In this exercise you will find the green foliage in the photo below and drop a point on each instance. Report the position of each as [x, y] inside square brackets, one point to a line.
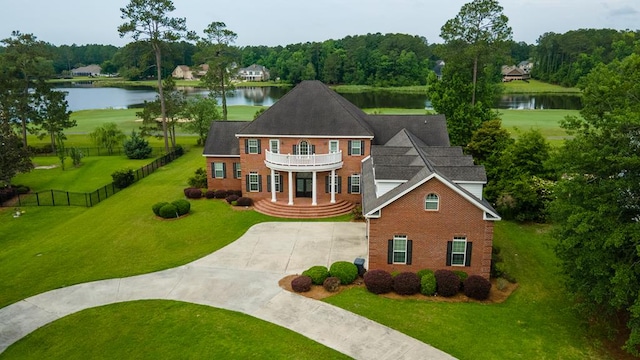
[108, 136]
[61, 152]
[136, 147]
[156, 207]
[201, 112]
[199, 180]
[461, 275]
[14, 157]
[424, 272]
[123, 178]
[428, 284]
[154, 122]
[345, 271]
[318, 274]
[597, 206]
[76, 156]
[168, 211]
[182, 205]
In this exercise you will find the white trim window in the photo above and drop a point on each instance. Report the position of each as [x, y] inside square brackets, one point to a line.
[218, 170]
[253, 146]
[354, 184]
[356, 147]
[334, 146]
[276, 180]
[274, 146]
[459, 251]
[400, 249]
[254, 182]
[238, 171]
[432, 202]
[304, 148]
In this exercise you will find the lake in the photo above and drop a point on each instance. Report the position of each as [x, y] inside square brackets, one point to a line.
[85, 97]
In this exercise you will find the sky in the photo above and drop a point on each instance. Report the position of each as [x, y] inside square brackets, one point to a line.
[283, 22]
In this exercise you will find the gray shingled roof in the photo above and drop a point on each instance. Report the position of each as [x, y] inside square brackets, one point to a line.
[311, 108]
[430, 129]
[222, 140]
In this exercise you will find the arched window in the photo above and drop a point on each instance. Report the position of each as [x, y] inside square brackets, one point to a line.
[303, 148]
[432, 202]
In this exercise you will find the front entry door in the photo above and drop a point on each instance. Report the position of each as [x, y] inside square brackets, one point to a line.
[303, 185]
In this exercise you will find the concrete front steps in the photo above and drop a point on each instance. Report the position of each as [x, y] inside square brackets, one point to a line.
[302, 209]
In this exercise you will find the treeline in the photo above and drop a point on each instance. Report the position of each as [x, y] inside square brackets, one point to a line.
[565, 58]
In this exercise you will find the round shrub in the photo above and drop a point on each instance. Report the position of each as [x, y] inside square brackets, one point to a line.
[231, 198]
[378, 281]
[477, 287]
[317, 274]
[447, 282]
[210, 194]
[406, 283]
[244, 201]
[345, 271]
[22, 189]
[236, 192]
[194, 193]
[123, 178]
[331, 284]
[301, 283]
[183, 206]
[156, 207]
[428, 284]
[424, 272]
[169, 211]
[221, 194]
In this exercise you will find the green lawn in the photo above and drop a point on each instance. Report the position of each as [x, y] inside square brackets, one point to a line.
[536, 322]
[537, 87]
[157, 329]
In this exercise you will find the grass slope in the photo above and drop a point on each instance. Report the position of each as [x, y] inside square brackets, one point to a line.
[164, 330]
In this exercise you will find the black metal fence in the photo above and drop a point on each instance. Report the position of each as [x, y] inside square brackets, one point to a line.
[67, 198]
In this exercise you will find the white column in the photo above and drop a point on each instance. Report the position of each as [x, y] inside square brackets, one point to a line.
[290, 188]
[273, 185]
[314, 196]
[333, 186]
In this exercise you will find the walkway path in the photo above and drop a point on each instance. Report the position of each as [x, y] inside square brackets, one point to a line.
[242, 277]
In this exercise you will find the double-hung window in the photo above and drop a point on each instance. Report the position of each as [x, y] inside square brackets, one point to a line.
[254, 182]
[253, 146]
[333, 146]
[400, 249]
[431, 202]
[237, 171]
[274, 146]
[354, 184]
[356, 147]
[218, 170]
[459, 251]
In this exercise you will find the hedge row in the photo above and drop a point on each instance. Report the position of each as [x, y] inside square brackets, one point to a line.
[233, 197]
[339, 273]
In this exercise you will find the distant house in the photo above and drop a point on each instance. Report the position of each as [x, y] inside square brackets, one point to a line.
[510, 73]
[526, 66]
[438, 69]
[186, 73]
[90, 70]
[254, 73]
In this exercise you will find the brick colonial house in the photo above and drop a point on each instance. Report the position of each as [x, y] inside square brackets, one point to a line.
[313, 153]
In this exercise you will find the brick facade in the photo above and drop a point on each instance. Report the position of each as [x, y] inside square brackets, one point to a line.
[431, 230]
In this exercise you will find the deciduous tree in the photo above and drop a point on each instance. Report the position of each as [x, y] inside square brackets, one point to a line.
[14, 157]
[200, 112]
[108, 136]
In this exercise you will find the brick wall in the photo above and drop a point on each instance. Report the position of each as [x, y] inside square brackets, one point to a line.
[431, 230]
[229, 182]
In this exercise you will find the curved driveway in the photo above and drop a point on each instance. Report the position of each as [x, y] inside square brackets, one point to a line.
[242, 276]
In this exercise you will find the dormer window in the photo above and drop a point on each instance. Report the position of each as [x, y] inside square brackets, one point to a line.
[432, 202]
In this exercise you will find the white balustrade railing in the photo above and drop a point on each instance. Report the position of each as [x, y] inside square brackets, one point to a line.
[303, 160]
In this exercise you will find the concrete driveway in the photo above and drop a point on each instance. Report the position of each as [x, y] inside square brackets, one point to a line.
[242, 276]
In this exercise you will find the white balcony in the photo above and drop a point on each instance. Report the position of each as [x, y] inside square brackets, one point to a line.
[299, 163]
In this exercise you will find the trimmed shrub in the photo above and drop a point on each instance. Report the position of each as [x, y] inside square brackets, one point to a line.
[183, 206]
[317, 274]
[156, 207]
[193, 193]
[236, 192]
[345, 271]
[232, 198]
[220, 194]
[428, 284]
[477, 287]
[210, 194]
[424, 272]
[123, 178]
[406, 283]
[244, 201]
[199, 179]
[331, 284]
[378, 281]
[301, 283]
[447, 283]
[168, 211]
[462, 276]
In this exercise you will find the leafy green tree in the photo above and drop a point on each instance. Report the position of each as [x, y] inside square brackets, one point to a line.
[108, 136]
[200, 112]
[61, 152]
[53, 116]
[14, 157]
[137, 147]
[597, 209]
[147, 20]
[221, 58]
[175, 101]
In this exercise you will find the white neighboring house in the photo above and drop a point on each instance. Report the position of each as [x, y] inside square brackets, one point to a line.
[254, 73]
[89, 70]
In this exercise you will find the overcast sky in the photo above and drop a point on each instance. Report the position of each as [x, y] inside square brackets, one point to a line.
[282, 22]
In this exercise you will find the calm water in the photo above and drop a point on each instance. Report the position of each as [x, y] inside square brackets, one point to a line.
[84, 97]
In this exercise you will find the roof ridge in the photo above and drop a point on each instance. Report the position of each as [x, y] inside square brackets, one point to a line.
[421, 153]
[340, 99]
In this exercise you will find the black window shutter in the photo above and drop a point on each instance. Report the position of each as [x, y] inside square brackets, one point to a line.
[313, 149]
[467, 261]
[295, 149]
[235, 170]
[349, 147]
[246, 178]
[281, 183]
[327, 184]
[268, 183]
[390, 252]
[349, 184]
[259, 147]
[246, 146]
[213, 170]
[409, 251]
[224, 170]
[259, 183]
[339, 184]
[449, 247]
[362, 147]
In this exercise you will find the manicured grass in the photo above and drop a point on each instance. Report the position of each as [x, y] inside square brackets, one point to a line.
[536, 87]
[165, 330]
[536, 322]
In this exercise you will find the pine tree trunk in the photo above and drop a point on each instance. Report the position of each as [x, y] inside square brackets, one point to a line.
[163, 111]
